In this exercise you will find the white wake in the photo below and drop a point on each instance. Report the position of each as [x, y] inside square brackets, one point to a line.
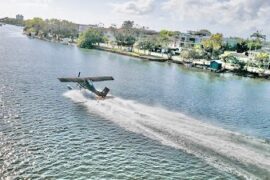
[230, 151]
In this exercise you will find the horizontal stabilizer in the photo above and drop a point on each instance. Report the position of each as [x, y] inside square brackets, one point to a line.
[83, 79]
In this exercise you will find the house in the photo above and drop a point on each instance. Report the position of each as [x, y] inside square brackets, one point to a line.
[215, 65]
[231, 42]
[188, 40]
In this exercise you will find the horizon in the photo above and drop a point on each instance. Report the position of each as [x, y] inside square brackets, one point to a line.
[231, 18]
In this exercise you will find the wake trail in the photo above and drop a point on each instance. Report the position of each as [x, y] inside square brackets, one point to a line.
[233, 152]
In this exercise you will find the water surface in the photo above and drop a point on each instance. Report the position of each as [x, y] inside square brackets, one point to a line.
[158, 125]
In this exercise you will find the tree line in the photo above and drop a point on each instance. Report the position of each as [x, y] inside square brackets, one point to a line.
[209, 48]
[130, 35]
[53, 28]
[12, 21]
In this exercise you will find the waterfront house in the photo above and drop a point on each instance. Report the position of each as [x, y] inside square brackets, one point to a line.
[215, 65]
[231, 42]
[188, 40]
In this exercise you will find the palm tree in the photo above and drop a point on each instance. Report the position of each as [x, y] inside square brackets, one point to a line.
[258, 35]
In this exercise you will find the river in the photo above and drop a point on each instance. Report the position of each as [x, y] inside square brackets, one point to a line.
[163, 121]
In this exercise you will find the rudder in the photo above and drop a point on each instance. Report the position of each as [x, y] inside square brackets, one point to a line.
[105, 92]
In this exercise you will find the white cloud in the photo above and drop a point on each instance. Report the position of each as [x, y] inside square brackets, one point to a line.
[135, 7]
[237, 15]
[32, 3]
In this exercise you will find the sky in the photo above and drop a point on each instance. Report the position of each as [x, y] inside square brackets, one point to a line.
[230, 17]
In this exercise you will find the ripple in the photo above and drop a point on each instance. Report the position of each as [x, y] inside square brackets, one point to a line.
[45, 136]
[223, 149]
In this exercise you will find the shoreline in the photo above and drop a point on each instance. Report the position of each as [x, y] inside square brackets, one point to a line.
[196, 64]
[132, 54]
[187, 64]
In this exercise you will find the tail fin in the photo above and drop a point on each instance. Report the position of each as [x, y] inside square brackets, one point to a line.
[105, 92]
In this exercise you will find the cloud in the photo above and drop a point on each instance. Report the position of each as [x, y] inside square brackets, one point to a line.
[32, 3]
[135, 7]
[239, 15]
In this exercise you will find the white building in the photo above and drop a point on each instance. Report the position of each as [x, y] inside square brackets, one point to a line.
[187, 40]
[19, 17]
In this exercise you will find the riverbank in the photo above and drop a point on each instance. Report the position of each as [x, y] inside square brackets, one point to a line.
[204, 64]
[198, 63]
[65, 41]
[132, 54]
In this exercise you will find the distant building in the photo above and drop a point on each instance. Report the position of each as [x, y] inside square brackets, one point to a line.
[231, 41]
[19, 17]
[188, 40]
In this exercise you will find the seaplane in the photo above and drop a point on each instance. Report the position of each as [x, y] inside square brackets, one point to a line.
[87, 83]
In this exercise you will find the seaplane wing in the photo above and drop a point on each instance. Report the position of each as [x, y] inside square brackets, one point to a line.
[83, 79]
[86, 83]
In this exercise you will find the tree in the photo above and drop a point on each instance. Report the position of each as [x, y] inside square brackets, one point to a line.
[213, 45]
[90, 38]
[34, 25]
[205, 32]
[229, 58]
[126, 36]
[262, 56]
[128, 24]
[202, 32]
[13, 21]
[166, 33]
[242, 46]
[128, 28]
[254, 44]
[259, 36]
[166, 36]
[148, 44]
[262, 60]
[130, 40]
[195, 53]
[62, 28]
[57, 28]
[185, 54]
[125, 39]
